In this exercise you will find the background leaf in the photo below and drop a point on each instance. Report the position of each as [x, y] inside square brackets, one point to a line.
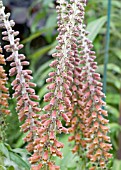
[94, 27]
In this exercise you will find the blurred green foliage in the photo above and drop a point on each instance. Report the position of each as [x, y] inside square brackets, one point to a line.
[39, 46]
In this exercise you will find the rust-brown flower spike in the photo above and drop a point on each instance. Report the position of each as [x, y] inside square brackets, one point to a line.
[27, 105]
[58, 97]
[76, 16]
[96, 121]
[4, 95]
[88, 121]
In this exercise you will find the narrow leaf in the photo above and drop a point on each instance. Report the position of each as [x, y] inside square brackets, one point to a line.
[94, 27]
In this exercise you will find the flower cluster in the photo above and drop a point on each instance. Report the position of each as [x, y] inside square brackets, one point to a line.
[88, 119]
[58, 97]
[96, 122]
[76, 112]
[4, 95]
[74, 93]
[27, 105]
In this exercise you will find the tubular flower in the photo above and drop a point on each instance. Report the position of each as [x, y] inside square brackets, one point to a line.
[4, 95]
[96, 122]
[27, 106]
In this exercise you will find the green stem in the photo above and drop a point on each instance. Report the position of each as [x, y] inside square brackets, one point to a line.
[107, 47]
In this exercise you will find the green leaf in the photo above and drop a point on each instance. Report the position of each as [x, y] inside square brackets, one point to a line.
[20, 151]
[114, 67]
[110, 66]
[4, 150]
[19, 161]
[111, 78]
[115, 127]
[37, 34]
[20, 141]
[23, 152]
[113, 111]
[116, 4]
[117, 165]
[112, 98]
[117, 52]
[43, 76]
[43, 91]
[10, 155]
[94, 27]
[41, 14]
[41, 51]
[50, 21]
[40, 70]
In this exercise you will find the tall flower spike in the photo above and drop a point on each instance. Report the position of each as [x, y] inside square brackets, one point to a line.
[88, 115]
[59, 94]
[4, 95]
[76, 15]
[27, 106]
[96, 122]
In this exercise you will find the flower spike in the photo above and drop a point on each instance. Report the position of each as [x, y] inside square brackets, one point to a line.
[27, 105]
[4, 96]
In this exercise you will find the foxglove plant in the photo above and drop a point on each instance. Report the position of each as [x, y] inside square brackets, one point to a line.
[27, 107]
[42, 140]
[77, 119]
[96, 122]
[4, 96]
[74, 93]
[87, 114]
[58, 97]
